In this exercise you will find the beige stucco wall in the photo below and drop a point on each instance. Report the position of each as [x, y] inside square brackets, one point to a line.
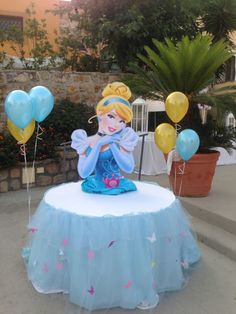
[233, 36]
[18, 8]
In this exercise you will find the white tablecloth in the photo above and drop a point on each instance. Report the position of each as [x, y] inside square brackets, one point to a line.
[154, 162]
[226, 158]
[153, 159]
[72, 196]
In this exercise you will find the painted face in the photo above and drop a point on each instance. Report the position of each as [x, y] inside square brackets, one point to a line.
[111, 123]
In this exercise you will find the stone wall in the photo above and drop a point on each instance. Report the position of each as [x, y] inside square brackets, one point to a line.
[77, 86]
[44, 173]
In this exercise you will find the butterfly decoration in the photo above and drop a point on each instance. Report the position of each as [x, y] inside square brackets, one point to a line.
[91, 290]
[185, 264]
[154, 285]
[90, 254]
[45, 268]
[152, 238]
[128, 285]
[59, 265]
[111, 243]
[183, 234]
[65, 242]
[61, 254]
[33, 230]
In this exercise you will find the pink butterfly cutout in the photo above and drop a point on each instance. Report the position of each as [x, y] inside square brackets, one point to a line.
[90, 255]
[128, 285]
[45, 268]
[59, 266]
[65, 242]
[91, 290]
[33, 230]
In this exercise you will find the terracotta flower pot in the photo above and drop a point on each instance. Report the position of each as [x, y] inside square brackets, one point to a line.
[195, 177]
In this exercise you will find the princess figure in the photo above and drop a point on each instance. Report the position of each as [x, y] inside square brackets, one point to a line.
[110, 149]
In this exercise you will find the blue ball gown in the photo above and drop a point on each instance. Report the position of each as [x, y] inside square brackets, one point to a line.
[107, 178]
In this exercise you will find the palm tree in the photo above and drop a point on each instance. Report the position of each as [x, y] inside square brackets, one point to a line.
[219, 20]
[188, 67]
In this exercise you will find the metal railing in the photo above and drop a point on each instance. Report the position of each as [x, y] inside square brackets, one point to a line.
[65, 146]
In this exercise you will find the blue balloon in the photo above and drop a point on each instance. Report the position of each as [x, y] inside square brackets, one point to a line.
[18, 108]
[43, 102]
[187, 143]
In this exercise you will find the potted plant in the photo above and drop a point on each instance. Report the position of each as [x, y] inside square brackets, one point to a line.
[189, 67]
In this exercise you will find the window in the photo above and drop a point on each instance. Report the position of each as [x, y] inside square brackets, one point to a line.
[7, 22]
[230, 120]
[230, 74]
[140, 116]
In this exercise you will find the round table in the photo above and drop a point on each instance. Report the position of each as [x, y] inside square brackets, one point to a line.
[110, 251]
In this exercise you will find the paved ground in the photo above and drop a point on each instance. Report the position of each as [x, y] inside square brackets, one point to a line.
[211, 288]
[222, 198]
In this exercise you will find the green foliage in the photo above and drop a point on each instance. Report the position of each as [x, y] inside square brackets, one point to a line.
[124, 27]
[79, 48]
[65, 118]
[57, 128]
[121, 28]
[98, 34]
[13, 36]
[9, 150]
[35, 31]
[189, 67]
[219, 18]
[214, 135]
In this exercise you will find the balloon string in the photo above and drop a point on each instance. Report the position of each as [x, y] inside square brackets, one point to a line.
[38, 134]
[177, 130]
[182, 175]
[35, 146]
[175, 155]
[22, 148]
[178, 127]
[35, 151]
[23, 152]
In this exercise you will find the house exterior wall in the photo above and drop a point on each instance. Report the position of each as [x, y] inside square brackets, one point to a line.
[19, 7]
[53, 22]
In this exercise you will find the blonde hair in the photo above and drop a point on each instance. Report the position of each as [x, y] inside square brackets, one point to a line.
[116, 96]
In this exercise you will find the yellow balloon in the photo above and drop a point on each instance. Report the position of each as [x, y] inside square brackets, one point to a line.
[176, 105]
[165, 137]
[21, 135]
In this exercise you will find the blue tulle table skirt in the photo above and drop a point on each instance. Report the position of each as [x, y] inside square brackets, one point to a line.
[103, 257]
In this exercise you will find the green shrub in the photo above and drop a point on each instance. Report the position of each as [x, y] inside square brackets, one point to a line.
[57, 128]
[9, 150]
[66, 117]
